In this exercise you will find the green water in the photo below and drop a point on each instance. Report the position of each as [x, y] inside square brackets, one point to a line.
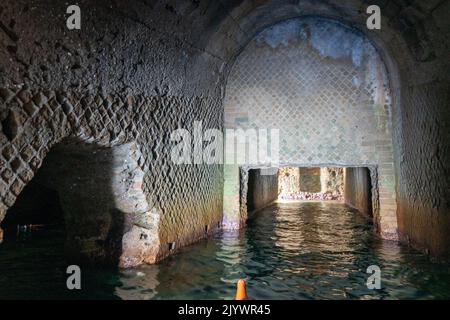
[288, 251]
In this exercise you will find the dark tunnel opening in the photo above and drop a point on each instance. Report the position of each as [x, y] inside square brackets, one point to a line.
[350, 185]
[70, 200]
[36, 207]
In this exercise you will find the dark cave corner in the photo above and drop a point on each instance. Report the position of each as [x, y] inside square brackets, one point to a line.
[92, 195]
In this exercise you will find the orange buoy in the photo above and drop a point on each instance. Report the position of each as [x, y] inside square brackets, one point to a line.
[241, 293]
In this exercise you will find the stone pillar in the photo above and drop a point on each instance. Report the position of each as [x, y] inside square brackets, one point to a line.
[262, 188]
[332, 181]
[289, 180]
[310, 180]
[358, 189]
[231, 208]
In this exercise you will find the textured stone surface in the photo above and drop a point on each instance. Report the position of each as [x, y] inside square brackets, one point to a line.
[288, 180]
[110, 121]
[310, 180]
[332, 180]
[120, 79]
[327, 181]
[100, 201]
[415, 49]
[173, 52]
[131, 46]
[326, 89]
[258, 187]
[358, 187]
[424, 159]
[262, 189]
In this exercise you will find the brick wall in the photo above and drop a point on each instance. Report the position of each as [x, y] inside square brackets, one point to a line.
[310, 180]
[413, 42]
[325, 87]
[123, 78]
[178, 53]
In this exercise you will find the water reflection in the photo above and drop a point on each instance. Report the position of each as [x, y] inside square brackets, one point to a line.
[139, 283]
[297, 250]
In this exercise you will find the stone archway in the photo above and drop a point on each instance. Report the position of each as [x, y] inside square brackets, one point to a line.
[106, 214]
[38, 119]
[327, 90]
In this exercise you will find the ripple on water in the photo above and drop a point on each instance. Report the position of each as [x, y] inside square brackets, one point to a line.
[297, 250]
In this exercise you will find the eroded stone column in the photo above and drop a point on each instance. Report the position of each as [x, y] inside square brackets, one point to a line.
[289, 180]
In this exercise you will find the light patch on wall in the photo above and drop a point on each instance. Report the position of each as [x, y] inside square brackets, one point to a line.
[336, 42]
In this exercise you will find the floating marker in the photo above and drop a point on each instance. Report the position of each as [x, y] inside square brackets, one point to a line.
[241, 293]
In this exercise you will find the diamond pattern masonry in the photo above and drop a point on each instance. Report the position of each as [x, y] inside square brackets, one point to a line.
[325, 88]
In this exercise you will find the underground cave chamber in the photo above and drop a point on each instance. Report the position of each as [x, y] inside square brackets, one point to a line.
[86, 124]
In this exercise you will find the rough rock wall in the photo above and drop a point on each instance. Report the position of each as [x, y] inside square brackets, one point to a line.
[310, 180]
[326, 89]
[424, 166]
[358, 189]
[422, 126]
[133, 73]
[288, 180]
[332, 180]
[414, 43]
[102, 204]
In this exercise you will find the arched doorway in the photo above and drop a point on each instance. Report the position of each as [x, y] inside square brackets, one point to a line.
[94, 194]
[326, 88]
